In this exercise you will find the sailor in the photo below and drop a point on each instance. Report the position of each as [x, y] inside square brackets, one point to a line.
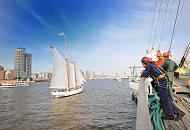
[170, 111]
[160, 59]
[169, 66]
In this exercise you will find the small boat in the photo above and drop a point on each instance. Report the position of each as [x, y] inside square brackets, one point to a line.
[22, 83]
[8, 85]
[118, 77]
[66, 80]
[125, 76]
[13, 84]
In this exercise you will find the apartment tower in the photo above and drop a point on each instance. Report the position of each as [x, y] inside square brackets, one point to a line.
[22, 64]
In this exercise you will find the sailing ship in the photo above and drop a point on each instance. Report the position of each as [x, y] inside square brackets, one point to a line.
[67, 79]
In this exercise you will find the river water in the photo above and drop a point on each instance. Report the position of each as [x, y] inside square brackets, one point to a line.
[104, 104]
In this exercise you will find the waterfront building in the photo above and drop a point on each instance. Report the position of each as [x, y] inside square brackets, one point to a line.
[1, 68]
[34, 76]
[41, 76]
[22, 64]
[88, 75]
[2, 73]
[9, 75]
[49, 76]
[96, 76]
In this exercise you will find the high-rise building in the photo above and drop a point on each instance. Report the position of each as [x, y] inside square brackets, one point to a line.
[22, 64]
[19, 59]
[2, 73]
[1, 68]
[28, 65]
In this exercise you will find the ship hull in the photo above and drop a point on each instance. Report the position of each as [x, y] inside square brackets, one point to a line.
[3, 86]
[59, 93]
[14, 84]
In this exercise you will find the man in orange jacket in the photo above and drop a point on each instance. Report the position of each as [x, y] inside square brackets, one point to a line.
[160, 59]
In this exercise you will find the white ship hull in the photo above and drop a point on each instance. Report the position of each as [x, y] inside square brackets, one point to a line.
[59, 93]
[14, 84]
[8, 86]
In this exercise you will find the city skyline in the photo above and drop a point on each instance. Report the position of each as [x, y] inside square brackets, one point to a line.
[105, 36]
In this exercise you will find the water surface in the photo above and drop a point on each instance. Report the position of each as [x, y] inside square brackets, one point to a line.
[104, 104]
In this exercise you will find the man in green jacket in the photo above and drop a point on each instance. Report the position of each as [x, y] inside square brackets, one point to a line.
[169, 66]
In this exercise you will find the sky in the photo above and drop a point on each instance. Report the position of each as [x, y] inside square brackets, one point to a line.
[104, 35]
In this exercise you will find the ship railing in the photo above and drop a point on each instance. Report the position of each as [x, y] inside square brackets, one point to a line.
[143, 121]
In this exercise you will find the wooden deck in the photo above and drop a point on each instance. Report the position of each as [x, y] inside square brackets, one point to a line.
[180, 86]
[183, 102]
[183, 124]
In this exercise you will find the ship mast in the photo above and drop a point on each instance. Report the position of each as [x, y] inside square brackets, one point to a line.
[66, 58]
[75, 71]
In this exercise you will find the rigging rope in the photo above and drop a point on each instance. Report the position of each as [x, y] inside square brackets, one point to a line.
[152, 23]
[174, 25]
[155, 31]
[162, 31]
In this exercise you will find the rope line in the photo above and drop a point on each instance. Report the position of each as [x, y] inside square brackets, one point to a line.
[163, 25]
[174, 25]
[155, 112]
[152, 23]
[155, 31]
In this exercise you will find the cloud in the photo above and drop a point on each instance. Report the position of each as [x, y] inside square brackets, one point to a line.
[41, 20]
[117, 49]
[26, 6]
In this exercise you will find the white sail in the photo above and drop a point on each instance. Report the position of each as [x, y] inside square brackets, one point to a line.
[59, 74]
[71, 76]
[79, 77]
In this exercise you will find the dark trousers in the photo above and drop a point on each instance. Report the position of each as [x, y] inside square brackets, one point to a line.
[167, 104]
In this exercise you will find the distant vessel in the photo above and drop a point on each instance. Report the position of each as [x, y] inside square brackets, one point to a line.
[125, 76]
[13, 84]
[118, 77]
[66, 80]
[134, 77]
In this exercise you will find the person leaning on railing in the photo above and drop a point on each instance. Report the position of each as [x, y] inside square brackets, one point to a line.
[170, 111]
